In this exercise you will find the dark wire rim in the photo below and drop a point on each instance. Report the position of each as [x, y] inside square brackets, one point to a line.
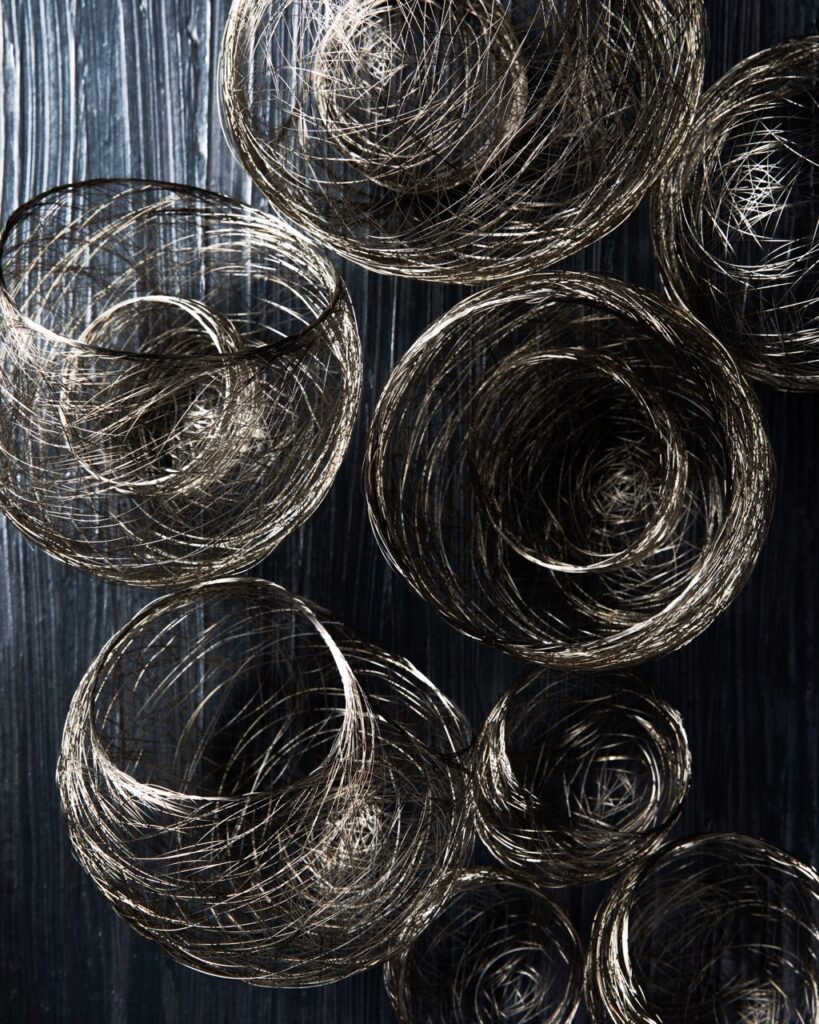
[337, 293]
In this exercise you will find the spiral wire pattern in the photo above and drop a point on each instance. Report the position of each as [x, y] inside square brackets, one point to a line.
[572, 470]
[260, 793]
[735, 217]
[718, 927]
[578, 777]
[499, 952]
[457, 141]
[180, 376]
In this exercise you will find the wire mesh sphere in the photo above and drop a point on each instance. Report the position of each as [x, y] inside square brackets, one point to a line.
[735, 217]
[180, 378]
[499, 952]
[572, 470]
[265, 797]
[459, 142]
[576, 778]
[717, 928]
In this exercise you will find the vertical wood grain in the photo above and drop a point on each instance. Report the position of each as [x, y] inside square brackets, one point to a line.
[127, 87]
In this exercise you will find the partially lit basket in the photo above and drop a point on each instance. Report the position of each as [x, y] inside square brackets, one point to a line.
[499, 952]
[577, 777]
[571, 469]
[459, 141]
[180, 377]
[735, 217]
[718, 927]
[261, 794]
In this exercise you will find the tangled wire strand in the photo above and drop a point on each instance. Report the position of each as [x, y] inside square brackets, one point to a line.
[180, 378]
[577, 777]
[457, 141]
[719, 927]
[735, 216]
[260, 793]
[572, 470]
[499, 952]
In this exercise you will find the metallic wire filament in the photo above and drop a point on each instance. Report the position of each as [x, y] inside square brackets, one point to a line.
[571, 470]
[735, 216]
[714, 928]
[258, 792]
[459, 141]
[180, 377]
[499, 952]
[577, 777]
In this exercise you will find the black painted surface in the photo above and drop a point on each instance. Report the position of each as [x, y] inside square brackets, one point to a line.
[126, 87]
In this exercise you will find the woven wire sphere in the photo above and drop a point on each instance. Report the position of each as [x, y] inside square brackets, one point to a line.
[459, 141]
[572, 470]
[577, 777]
[261, 794]
[499, 952]
[734, 219]
[718, 927]
[180, 378]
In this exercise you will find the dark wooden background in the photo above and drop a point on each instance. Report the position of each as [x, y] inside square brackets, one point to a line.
[94, 88]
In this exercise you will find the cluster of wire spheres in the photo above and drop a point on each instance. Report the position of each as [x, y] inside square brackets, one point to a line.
[180, 377]
[719, 927]
[572, 470]
[735, 217]
[459, 141]
[264, 796]
[577, 777]
[499, 952]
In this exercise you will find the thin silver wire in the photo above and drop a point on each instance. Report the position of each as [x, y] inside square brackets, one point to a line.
[459, 141]
[735, 218]
[260, 793]
[575, 778]
[180, 379]
[572, 470]
[714, 928]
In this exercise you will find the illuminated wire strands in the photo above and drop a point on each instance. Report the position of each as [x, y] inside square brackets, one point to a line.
[718, 927]
[735, 217]
[180, 378]
[258, 792]
[459, 141]
[577, 777]
[572, 470]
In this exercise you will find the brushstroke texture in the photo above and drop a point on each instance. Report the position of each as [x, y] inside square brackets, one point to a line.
[126, 87]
